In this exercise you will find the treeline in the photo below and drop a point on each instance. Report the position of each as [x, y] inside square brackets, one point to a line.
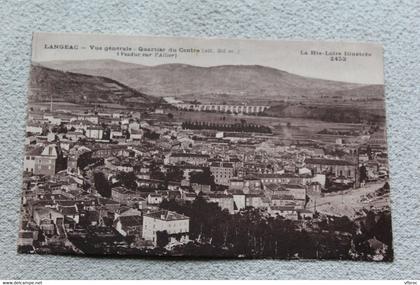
[339, 132]
[336, 114]
[251, 234]
[238, 127]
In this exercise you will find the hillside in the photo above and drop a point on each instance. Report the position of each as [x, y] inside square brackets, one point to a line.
[85, 65]
[72, 87]
[223, 83]
[341, 114]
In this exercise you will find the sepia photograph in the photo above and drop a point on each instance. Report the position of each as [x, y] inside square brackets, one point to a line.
[205, 148]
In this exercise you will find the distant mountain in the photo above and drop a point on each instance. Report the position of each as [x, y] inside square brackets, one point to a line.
[86, 65]
[73, 87]
[222, 83]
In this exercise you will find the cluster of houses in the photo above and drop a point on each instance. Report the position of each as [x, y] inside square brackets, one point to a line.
[66, 151]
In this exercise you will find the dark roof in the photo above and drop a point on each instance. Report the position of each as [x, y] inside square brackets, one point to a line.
[251, 177]
[66, 202]
[236, 192]
[273, 187]
[34, 151]
[222, 164]
[277, 175]
[166, 215]
[131, 221]
[123, 190]
[325, 161]
[92, 216]
[293, 186]
[282, 208]
[104, 201]
[68, 211]
[74, 133]
[173, 194]
[189, 155]
[219, 195]
[251, 195]
[86, 122]
[186, 166]
[283, 197]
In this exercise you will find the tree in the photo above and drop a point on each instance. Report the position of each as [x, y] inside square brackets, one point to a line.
[170, 116]
[155, 172]
[162, 238]
[61, 129]
[383, 228]
[128, 179]
[107, 133]
[369, 152]
[102, 185]
[204, 177]
[363, 174]
[151, 135]
[174, 174]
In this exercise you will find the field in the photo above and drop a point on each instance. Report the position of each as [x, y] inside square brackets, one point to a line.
[285, 128]
[289, 128]
[75, 107]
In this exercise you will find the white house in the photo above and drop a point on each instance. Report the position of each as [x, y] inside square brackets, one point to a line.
[171, 222]
[95, 132]
[239, 199]
[136, 134]
[34, 129]
[154, 199]
[52, 120]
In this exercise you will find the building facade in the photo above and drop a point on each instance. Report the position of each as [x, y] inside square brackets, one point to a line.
[171, 222]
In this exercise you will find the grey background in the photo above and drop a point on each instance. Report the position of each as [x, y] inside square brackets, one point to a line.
[396, 24]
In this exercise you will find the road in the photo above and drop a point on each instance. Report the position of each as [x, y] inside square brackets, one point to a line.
[348, 203]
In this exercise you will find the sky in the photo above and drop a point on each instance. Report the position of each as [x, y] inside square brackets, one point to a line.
[330, 60]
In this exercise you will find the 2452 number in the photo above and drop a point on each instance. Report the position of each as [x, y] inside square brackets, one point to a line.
[338, 58]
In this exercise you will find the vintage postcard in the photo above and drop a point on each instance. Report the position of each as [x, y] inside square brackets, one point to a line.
[165, 146]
